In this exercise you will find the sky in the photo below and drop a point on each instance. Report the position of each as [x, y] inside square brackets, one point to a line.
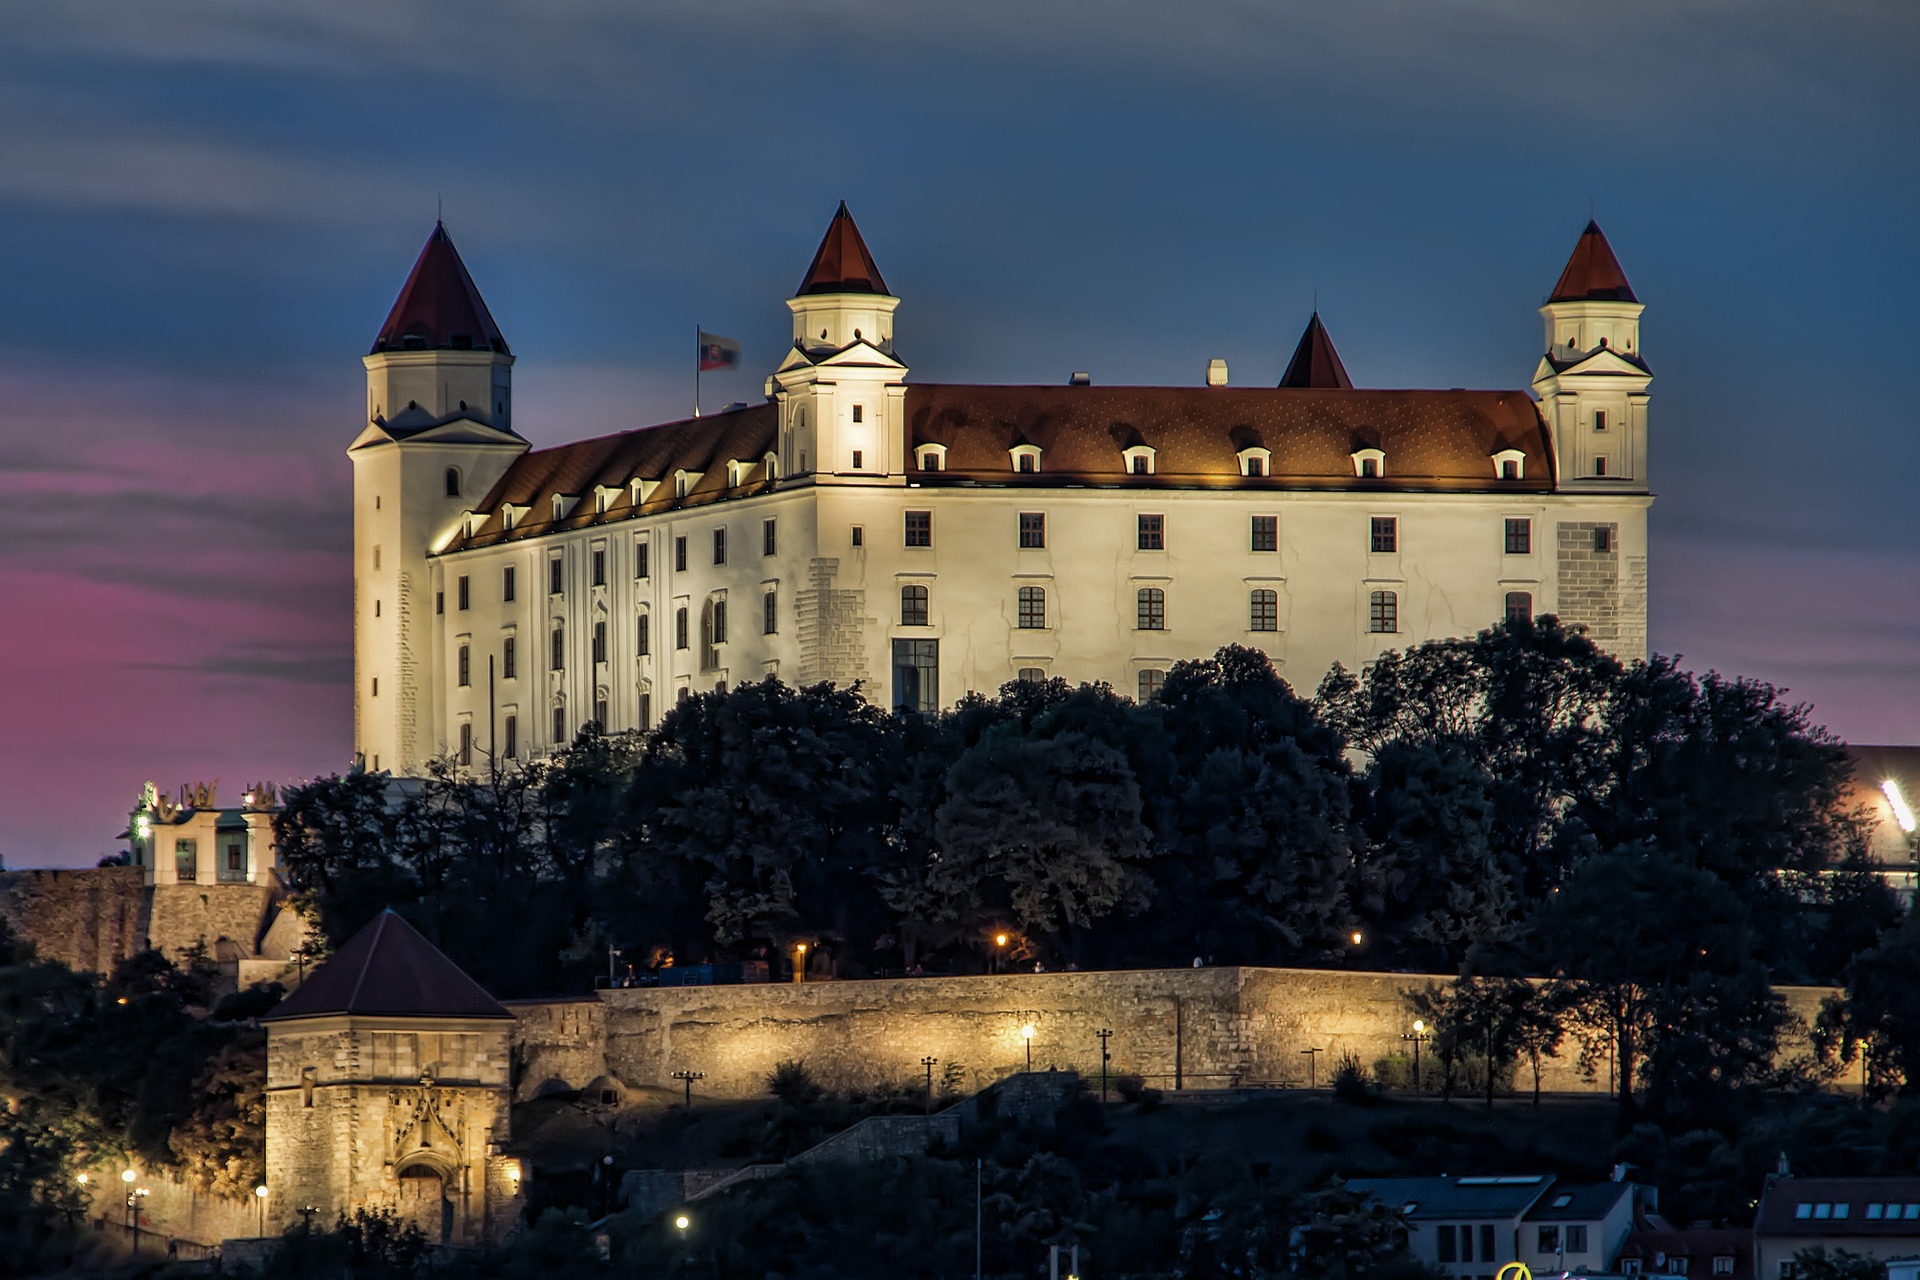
[207, 207]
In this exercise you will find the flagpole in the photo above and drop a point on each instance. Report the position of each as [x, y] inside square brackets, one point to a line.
[696, 369]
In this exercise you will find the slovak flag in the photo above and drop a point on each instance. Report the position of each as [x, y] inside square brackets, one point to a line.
[717, 352]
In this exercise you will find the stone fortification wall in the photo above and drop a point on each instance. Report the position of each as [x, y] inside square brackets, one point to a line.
[171, 1207]
[1205, 1028]
[182, 915]
[88, 919]
[557, 1044]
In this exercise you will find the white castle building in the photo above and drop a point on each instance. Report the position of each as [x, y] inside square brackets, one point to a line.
[927, 540]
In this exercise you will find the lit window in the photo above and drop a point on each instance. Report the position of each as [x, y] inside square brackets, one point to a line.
[1519, 607]
[1383, 613]
[1263, 610]
[1384, 534]
[1033, 608]
[913, 606]
[1265, 534]
[1033, 529]
[1151, 533]
[1151, 679]
[919, 528]
[1150, 609]
[1519, 536]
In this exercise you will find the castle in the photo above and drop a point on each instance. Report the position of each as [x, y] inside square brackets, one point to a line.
[928, 540]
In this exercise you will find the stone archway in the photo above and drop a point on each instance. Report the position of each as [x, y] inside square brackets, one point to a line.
[425, 1197]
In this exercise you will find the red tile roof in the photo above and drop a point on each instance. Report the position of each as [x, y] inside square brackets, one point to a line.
[842, 264]
[1656, 1250]
[1315, 363]
[439, 308]
[1778, 1214]
[1434, 441]
[1593, 274]
[388, 970]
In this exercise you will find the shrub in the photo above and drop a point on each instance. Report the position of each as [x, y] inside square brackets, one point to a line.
[1352, 1082]
[793, 1084]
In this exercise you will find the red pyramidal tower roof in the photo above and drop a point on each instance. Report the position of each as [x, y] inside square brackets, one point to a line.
[843, 264]
[1593, 274]
[438, 308]
[388, 970]
[1315, 363]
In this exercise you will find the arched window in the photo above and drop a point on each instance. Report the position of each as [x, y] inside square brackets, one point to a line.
[1383, 613]
[913, 606]
[557, 658]
[453, 482]
[1151, 609]
[1033, 608]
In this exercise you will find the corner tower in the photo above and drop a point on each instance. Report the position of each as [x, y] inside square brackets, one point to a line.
[438, 434]
[1592, 381]
[841, 389]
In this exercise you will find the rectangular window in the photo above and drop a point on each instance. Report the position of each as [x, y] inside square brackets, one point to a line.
[1263, 610]
[1577, 1237]
[463, 592]
[859, 536]
[1033, 608]
[1383, 535]
[599, 566]
[600, 641]
[512, 741]
[1603, 538]
[1519, 536]
[233, 859]
[509, 659]
[1519, 607]
[859, 412]
[919, 530]
[1549, 1240]
[1486, 1242]
[1028, 464]
[644, 635]
[646, 711]
[1150, 533]
[1150, 609]
[916, 675]
[186, 860]
[1033, 529]
[1265, 534]
[913, 606]
[769, 614]
[559, 726]
[1443, 1242]
[600, 712]
[465, 664]
[466, 744]
[556, 581]
[719, 546]
[439, 602]
[376, 686]
[1723, 1264]
[1599, 419]
[719, 621]
[1031, 675]
[376, 608]
[1509, 469]
[507, 584]
[557, 655]
[680, 555]
[1466, 1242]
[642, 562]
[1803, 1210]
[1600, 464]
[1383, 613]
[767, 541]
[680, 627]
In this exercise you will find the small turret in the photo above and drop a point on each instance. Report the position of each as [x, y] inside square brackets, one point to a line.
[1592, 381]
[1315, 363]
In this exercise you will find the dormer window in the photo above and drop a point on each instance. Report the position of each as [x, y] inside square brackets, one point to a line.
[770, 465]
[1255, 461]
[684, 482]
[1026, 458]
[453, 482]
[1139, 460]
[641, 489]
[603, 496]
[737, 472]
[931, 457]
[1369, 464]
[563, 504]
[510, 515]
[1510, 464]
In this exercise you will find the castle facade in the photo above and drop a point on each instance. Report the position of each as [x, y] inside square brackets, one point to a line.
[928, 540]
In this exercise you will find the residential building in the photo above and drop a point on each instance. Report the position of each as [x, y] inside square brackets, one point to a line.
[1698, 1253]
[1577, 1227]
[1877, 1217]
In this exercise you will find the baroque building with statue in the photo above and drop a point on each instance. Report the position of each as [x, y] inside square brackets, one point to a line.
[928, 540]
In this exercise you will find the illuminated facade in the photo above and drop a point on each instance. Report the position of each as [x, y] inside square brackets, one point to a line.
[927, 540]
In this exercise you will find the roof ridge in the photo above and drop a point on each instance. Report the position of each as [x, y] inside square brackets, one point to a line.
[366, 963]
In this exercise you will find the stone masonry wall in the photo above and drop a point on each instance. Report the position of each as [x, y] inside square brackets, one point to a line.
[1210, 1028]
[181, 915]
[1589, 580]
[88, 920]
[830, 623]
[558, 1043]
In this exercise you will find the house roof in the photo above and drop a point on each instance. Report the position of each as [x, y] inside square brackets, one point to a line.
[1425, 1199]
[1584, 1201]
[1315, 363]
[1593, 274]
[842, 263]
[439, 308]
[1434, 441]
[388, 970]
[1655, 1249]
[1779, 1211]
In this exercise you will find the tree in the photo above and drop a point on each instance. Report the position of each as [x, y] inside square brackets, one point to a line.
[1842, 1264]
[221, 1143]
[1879, 1012]
[1492, 1019]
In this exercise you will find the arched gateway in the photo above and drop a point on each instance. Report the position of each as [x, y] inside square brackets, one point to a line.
[387, 1087]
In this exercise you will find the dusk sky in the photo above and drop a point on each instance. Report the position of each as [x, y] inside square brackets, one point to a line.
[207, 207]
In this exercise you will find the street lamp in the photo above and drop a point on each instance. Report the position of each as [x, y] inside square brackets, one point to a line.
[1417, 1037]
[799, 962]
[999, 950]
[1313, 1060]
[1358, 937]
[1026, 1034]
[688, 1077]
[682, 1222]
[1105, 1057]
[260, 1195]
[928, 1063]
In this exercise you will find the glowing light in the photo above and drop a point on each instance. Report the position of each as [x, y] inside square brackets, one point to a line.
[1902, 814]
[801, 947]
[1026, 1032]
[261, 1191]
[999, 939]
[1358, 937]
[683, 1222]
[128, 1175]
[82, 1179]
[1419, 1025]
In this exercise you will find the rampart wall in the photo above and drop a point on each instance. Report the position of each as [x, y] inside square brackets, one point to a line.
[90, 919]
[1202, 1028]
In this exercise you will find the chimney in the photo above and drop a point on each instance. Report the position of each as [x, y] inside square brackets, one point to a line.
[1080, 379]
[1216, 373]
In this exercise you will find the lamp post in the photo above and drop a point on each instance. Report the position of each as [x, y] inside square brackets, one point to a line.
[260, 1197]
[1417, 1037]
[999, 950]
[687, 1078]
[683, 1225]
[1105, 1057]
[1313, 1059]
[799, 962]
[128, 1177]
[928, 1064]
[1026, 1034]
